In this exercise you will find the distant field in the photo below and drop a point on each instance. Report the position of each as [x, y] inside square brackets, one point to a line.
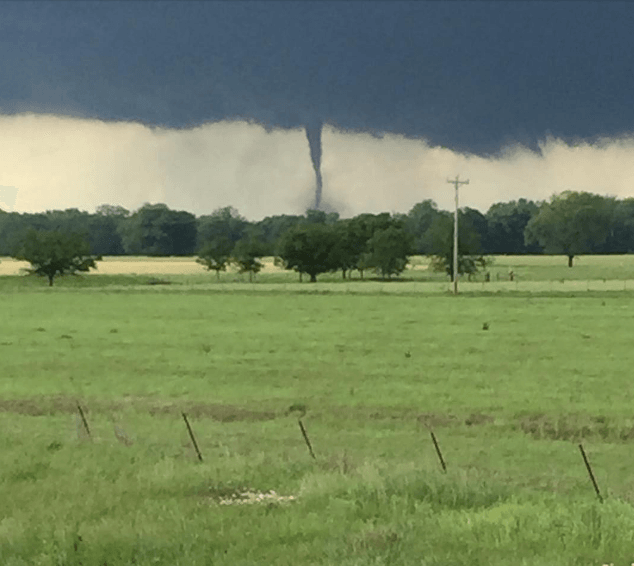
[534, 268]
[123, 266]
[531, 274]
[510, 383]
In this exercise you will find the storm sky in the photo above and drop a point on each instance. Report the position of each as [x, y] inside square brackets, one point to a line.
[207, 104]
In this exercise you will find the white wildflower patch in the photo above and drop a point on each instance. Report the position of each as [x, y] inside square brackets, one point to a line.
[252, 497]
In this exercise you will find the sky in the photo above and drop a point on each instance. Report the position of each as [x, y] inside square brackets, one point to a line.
[202, 105]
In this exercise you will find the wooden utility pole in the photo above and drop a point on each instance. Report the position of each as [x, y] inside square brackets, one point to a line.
[456, 182]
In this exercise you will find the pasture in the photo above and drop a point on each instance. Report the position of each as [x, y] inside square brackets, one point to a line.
[370, 368]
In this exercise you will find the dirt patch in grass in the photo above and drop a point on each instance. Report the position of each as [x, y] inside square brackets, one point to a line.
[574, 427]
[217, 412]
[445, 419]
[39, 406]
[438, 419]
[478, 419]
[50, 405]
[428, 419]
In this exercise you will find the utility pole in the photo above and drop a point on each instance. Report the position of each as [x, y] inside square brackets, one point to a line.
[456, 183]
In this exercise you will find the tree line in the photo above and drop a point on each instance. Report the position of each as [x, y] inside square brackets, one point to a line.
[571, 223]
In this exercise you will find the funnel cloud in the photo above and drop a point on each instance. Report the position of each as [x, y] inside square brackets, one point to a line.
[313, 133]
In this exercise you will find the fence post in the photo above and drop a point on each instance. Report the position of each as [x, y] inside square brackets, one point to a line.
[310, 448]
[594, 482]
[83, 419]
[193, 438]
[438, 452]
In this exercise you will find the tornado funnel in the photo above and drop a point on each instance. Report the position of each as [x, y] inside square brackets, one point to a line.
[313, 133]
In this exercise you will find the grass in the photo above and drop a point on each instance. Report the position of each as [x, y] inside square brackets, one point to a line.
[373, 370]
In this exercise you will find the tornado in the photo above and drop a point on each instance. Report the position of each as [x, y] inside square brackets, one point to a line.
[313, 133]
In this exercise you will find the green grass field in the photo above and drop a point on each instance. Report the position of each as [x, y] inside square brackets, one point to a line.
[370, 367]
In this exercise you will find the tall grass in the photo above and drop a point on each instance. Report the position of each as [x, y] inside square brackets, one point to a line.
[374, 371]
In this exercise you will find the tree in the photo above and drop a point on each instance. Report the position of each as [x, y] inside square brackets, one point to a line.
[101, 229]
[12, 227]
[104, 230]
[506, 225]
[215, 254]
[313, 216]
[478, 223]
[308, 249]
[343, 254]
[69, 220]
[620, 238]
[361, 229]
[572, 223]
[155, 230]
[440, 242]
[245, 256]
[55, 253]
[113, 210]
[271, 228]
[221, 223]
[389, 249]
[418, 221]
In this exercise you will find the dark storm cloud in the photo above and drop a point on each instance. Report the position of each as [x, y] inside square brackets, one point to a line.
[273, 107]
[471, 76]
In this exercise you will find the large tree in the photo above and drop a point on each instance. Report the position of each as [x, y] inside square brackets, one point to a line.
[361, 228]
[572, 223]
[313, 216]
[12, 228]
[220, 224]
[506, 224]
[101, 228]
[440, 243]
[477, 222]
[104, 232]
[53, 253]
[271, 229]
[155, 230]
[344, 254]
[218, 234]
[308, 248]
[389, 250]
[245, 256]
[418, 221]
[215, 254]
[620, 239]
